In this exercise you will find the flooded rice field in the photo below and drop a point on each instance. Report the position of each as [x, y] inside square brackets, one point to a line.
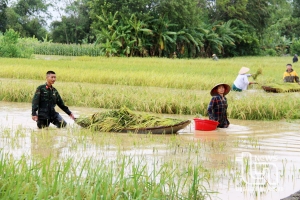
[249, 160]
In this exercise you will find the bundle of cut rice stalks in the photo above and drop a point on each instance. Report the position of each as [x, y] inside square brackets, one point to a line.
[258, 72]
[124, 118]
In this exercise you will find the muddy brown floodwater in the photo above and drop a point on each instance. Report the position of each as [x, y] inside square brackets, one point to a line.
[272, 145]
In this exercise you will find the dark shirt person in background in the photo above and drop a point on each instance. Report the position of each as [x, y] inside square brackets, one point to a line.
[295, 58]
[45, 99]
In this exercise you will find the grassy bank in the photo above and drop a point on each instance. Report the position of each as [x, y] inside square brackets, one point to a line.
[151, 84]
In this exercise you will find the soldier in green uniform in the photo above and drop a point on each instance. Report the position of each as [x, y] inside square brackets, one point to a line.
[45, 99]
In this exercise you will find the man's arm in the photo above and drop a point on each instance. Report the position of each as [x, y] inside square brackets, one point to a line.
[62, 106]
[35, 104]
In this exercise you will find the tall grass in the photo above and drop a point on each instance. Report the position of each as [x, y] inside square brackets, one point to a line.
[125, 177]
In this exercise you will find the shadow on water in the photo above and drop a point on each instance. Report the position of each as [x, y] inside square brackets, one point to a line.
[275, 144]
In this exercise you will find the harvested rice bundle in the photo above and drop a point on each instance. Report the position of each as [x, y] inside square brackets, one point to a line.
[117, 120]
[285, 87]
[258, 72]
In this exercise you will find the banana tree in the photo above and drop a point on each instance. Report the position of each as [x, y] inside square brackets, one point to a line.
[109, 36]
[163, 38]
[227, 34]
[191, 38]
[139, 32]
[212, 41]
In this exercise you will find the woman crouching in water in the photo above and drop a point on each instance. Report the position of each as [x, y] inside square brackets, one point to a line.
[217, 108]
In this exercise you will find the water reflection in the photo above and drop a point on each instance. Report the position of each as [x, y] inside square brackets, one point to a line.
[19, 136]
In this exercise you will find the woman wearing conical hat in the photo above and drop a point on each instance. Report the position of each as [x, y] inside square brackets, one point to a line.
[241, 82]
[217, 108]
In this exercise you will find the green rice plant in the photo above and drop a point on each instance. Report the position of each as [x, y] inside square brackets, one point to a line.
[253, 106]
[151, 85]
[166, 73]
[123, 178]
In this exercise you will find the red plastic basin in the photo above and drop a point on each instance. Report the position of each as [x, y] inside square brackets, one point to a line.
[205, 124]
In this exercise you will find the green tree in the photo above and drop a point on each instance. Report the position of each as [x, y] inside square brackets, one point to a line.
[109, 36]
[185, 13]
[225, 10]
[163, 39]
[142, 9]
[28, 18]
[212, 43]
[227, 34]
[74, 26]
[189, 41]
[138, 31]
[259, 15]
[11, 47]
[246, 44]
[3, 18]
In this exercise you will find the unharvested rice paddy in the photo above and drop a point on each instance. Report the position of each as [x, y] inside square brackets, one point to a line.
[172, 86]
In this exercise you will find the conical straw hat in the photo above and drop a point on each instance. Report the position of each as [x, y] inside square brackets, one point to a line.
[214, 90]
[244, 70]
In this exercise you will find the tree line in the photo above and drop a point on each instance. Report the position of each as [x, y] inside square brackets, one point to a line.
[163, 28]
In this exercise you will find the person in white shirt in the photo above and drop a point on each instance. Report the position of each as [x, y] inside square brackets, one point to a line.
[241, 82]
[214, 57]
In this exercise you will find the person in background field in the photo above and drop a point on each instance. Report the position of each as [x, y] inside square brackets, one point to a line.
[290, 75]
[45, 99]
[217, 108]
[241, 82]
[295, 58]
[214, 57]
[174, 55]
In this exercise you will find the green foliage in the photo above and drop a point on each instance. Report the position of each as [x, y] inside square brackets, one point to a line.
[73, 28]
[3, 19]
[12, 46]
[295, 47]
[226, 10]
[27, 17]
[185, 13]
[161, 27]
[246, 42]
[271, 52]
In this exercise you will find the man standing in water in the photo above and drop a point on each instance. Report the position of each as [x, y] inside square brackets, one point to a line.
[45, 99]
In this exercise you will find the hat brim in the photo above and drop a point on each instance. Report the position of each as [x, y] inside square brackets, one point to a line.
[214, 90]
[244, 70]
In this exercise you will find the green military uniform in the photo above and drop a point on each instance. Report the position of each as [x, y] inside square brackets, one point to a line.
[44, 101]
